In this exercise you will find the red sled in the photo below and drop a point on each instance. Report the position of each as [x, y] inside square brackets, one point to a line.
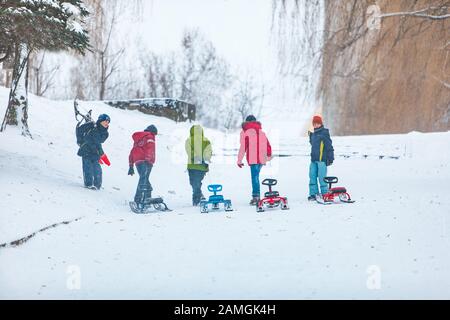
[272, 199]
[334, 195]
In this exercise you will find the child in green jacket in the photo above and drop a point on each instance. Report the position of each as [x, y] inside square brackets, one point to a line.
[199, 152]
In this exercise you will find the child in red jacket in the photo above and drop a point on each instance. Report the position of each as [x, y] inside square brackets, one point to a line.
[255, 144]
[143, 156]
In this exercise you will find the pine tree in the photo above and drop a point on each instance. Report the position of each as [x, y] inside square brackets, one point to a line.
[28, 25]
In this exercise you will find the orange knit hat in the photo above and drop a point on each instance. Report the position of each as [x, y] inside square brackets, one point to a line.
[317, 119]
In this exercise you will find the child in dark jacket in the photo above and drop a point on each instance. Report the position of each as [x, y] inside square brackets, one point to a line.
[322, 156]
[91, 151]
[143, 155]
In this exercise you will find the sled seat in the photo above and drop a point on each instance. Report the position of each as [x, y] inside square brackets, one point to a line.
[216, 199]
[153, 201]
[338, 190]
[272, 194]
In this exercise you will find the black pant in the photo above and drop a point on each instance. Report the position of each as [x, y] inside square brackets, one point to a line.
[195, 179]
[92, 172]
[144, 188]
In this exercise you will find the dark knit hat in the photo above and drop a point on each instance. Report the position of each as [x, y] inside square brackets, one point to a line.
[250, 118]
[103, 117]
[151, 129]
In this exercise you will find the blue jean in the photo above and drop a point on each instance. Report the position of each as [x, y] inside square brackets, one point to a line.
[144, 188]
[92, 172]
[317, 170]
[195, 179]
[255, 169]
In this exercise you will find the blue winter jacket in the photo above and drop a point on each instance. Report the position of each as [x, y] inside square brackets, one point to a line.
[321, 145]
[92, 146]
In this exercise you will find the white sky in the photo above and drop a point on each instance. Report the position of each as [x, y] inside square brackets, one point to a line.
[239, 29]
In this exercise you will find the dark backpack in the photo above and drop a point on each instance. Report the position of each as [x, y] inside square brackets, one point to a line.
[82, 131]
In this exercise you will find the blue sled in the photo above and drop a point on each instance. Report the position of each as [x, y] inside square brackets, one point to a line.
[215, 200]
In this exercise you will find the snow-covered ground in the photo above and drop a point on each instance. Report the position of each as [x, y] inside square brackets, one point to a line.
[393, 243]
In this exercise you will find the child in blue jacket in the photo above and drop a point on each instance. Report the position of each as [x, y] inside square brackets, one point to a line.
[322, 156]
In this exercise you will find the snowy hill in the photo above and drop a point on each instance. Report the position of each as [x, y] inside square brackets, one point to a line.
[399, 225]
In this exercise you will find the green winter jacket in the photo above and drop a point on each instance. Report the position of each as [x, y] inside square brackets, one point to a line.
[198, 150]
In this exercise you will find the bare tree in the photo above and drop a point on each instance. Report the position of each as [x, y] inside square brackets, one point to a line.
[364, 44]
[246, 98]
[203, 77]
[103, 61]
[297, 33]
[41, 75]
[302, 34]
[108, 59]
[160, 74]
[200, 76]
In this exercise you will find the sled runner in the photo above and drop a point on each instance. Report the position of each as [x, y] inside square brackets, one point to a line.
[272, 198]
[84, 123]
[215, 200]
[79, 117]
[334, 195]
[151, 205]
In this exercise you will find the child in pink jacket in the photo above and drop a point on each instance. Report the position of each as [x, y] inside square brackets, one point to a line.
[256, 146]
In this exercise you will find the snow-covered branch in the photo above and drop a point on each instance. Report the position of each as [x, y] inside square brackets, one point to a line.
[444, 83]
[423, 13]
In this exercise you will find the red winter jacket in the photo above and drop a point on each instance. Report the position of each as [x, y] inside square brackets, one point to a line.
[143, 148]
[254, 143]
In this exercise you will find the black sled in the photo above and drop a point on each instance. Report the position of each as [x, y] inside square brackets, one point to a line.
[151, 205]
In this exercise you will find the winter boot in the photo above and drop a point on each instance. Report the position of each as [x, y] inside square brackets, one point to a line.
[195, 201]
[254, 201]
[312, 198]
[140, 207]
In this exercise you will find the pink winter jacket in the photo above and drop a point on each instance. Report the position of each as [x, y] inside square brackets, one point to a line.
[254, 143]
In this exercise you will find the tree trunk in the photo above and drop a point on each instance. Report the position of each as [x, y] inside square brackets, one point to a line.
[102, 76]
[17, 111]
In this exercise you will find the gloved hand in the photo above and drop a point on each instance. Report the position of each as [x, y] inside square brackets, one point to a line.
[240, 165]
[104, 160]
[131, 171]
[329, 163]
